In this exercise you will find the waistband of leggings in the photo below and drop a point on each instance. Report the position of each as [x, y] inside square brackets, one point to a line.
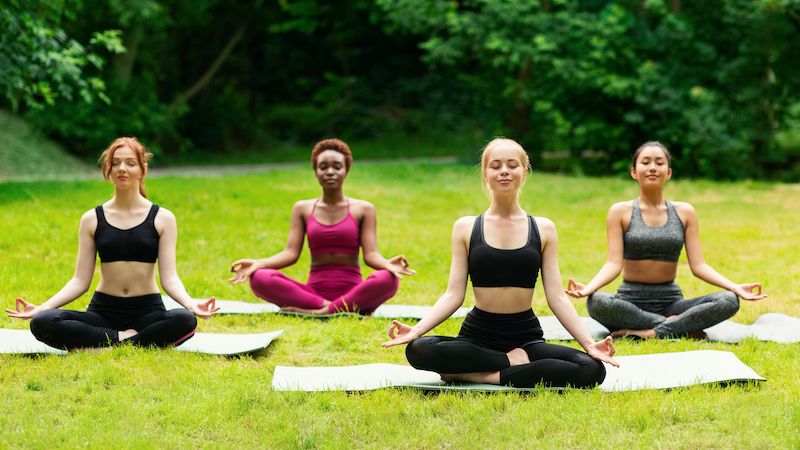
[102, 299]
[336, 268]
[666, 286]
[512, 317]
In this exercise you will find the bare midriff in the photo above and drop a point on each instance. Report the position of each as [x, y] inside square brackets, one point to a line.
[649, 271]
[334, 259]
[127, 279]
[503, 300]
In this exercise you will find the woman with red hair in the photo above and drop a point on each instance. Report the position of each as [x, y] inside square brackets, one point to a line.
[130, 233]
[336, 226]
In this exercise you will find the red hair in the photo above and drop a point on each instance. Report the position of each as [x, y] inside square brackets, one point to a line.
[335, 145]
[142, 156]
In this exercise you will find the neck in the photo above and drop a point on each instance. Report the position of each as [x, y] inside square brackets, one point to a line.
[651, 197]
[333, 197]
[506, 205]
[127, 198]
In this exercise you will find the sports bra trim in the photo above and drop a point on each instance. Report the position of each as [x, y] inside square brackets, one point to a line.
[526, 244]
[102, 215]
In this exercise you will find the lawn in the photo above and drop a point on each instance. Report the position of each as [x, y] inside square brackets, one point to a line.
[150, 398]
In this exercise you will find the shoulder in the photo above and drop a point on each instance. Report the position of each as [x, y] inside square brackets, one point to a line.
[463, 225]
[89, 219]
[362, 205]
[165, 213]
[303, 207]
[685, 211]
[165, 217]
[544, 225]
[620, 208]
[683, 207]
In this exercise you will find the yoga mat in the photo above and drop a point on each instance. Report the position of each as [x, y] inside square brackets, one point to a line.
[554, 331]
[637, 372]
[23, 342]
[383, 311]
[768, 327]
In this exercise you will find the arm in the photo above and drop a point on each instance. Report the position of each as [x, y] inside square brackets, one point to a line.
[286, 257]
[700, 267]
[167, 270]
[398, 265]
[453, 297]
[81, 279]
[557, 299]
[613, 266]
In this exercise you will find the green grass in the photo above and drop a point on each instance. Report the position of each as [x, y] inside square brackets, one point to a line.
[26, 152]
[150, 398]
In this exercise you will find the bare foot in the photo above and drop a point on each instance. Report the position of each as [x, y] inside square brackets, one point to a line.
[517, 357]
[477, 377]
[126, 334]
[643, 334]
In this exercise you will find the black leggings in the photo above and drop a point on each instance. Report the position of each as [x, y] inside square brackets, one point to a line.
[99, 326]
[551, 365]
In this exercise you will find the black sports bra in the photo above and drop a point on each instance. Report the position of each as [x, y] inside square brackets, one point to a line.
[139, 243]
[497, 267]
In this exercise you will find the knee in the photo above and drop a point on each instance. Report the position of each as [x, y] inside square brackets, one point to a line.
[263, 278]
[593, 372]
[42, 323]
[730, 302]
[597, 302]
[183, 320]
[419, 352]
[386, 278]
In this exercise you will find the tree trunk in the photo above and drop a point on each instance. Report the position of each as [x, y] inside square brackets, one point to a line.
[206, 78]
[123, 63]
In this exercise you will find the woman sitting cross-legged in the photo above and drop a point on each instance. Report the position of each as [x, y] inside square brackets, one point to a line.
[645, 238]
[502, 252]
[130, 233]
[337, 227]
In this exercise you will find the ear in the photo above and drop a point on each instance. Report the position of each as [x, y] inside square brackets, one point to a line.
[144, 172]
[669, 173]
[633, 172]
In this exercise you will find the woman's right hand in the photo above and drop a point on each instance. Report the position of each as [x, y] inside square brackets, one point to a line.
[576, 289]
[23, 310]
[243, 268]
[400, 333]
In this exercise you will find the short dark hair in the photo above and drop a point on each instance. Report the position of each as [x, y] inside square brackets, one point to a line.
[335, 145]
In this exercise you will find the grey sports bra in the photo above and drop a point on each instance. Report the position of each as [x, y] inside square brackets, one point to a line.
[664, 243]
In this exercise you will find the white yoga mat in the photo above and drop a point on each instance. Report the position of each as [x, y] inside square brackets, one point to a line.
[768, 327]
[554, 331]
[23, 342]
[383, 311]
[638, 372]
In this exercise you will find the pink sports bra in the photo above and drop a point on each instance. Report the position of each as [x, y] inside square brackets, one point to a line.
[341, 237]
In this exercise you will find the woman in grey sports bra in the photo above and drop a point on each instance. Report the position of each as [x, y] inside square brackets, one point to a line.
[645, 237]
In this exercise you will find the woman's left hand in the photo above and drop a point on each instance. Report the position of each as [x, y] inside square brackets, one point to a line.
[398, 265]
[603, 351]
[205, 309]
[749, 291]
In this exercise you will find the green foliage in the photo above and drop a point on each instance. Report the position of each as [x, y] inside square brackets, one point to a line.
[711, 80]
[41, 65]
[715, 81]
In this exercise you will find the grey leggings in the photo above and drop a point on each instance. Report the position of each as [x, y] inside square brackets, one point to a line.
[639, 306]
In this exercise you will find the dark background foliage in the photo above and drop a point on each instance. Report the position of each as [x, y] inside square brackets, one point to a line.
[714, 80]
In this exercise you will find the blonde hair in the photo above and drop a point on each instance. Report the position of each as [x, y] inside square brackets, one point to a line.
[496, 142]
[142, 156]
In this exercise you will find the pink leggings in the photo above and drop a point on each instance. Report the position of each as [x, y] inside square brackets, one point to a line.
[341, 285]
